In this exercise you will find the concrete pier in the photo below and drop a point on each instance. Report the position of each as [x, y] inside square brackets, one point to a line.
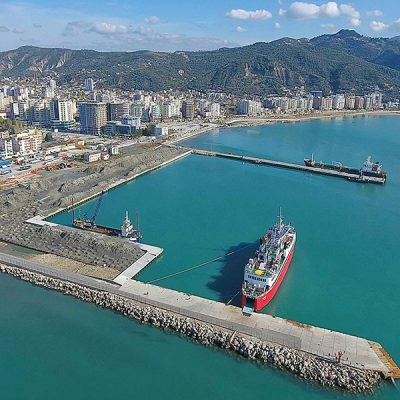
[152, 252]
[358, 353]
[281, 164]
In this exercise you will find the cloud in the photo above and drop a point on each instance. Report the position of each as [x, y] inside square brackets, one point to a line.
[105, 28]
[277, 25]
[302, 10]
[396, 24]
[329, 27]
[4, 29]
[354, 15]
[37, 26]
[116, 37]
[330, 9]
[240, 29]
[374, 13]
[75, 28]
[18, 31]
[244, 14]
[152, 20]
[355, 22]
[378, 26]
[349, 11]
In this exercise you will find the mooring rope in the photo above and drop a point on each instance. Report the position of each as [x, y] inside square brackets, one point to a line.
[199, 265]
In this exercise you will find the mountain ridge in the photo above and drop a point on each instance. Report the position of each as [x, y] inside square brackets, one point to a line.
[345, 61]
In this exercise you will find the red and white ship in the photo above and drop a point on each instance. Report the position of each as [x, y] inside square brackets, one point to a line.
[264, 273]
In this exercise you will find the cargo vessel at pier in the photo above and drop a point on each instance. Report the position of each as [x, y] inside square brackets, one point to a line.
[127, 230]
[264, 273]
[368, 170]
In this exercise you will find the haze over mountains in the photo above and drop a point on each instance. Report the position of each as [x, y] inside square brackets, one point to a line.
[345, 61]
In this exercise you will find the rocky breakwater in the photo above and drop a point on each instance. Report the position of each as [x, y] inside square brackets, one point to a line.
[328, 374]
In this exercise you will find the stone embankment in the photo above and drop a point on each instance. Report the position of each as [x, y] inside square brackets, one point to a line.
[328, 374]
[86, 247]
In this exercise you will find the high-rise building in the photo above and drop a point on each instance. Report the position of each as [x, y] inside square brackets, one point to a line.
[376, 100]
[53, 84]
[250, 107]
[166, 111]
[317, 99]
[155, 112]
[359, 103]
[89, 85]
[62, 114]
[92, 117]
[137, 110]
[6, 148]
[188, 109]
[116, 111]
[62, 110]
[350, 102]
[338, 101]
[326, 103]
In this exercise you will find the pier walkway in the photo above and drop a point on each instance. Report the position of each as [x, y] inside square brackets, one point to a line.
[281, 164]
[152, 252]
[357, 352]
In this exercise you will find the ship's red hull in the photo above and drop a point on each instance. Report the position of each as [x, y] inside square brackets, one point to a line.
[262, 301]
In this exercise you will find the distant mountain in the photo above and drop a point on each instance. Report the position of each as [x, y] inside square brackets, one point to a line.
[382, 51]
[261, 68]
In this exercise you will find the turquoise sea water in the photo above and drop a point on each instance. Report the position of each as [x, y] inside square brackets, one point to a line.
[344, 275]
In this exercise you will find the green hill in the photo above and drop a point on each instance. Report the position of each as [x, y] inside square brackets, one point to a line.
[382, 51]
[261, 68]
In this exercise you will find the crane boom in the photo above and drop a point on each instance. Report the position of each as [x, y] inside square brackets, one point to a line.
[96, 211]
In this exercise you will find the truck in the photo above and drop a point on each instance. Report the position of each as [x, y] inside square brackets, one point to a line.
[5, 163]
[24, 167]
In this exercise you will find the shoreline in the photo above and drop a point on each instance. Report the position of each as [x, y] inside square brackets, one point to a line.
[245, 121]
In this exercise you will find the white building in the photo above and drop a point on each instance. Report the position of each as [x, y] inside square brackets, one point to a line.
[53, 84]
[6, 148]
[92, 156]
[166, 111]
[160, 131]
[155, 112]
[89, 85]
[338, 101]
[209, 110]
[248, 107]
[28, 142]
[113, 149]
[137, 110]
[62, 110]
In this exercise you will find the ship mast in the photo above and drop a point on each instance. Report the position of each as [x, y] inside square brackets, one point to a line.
[73, 210]
[280, 217]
